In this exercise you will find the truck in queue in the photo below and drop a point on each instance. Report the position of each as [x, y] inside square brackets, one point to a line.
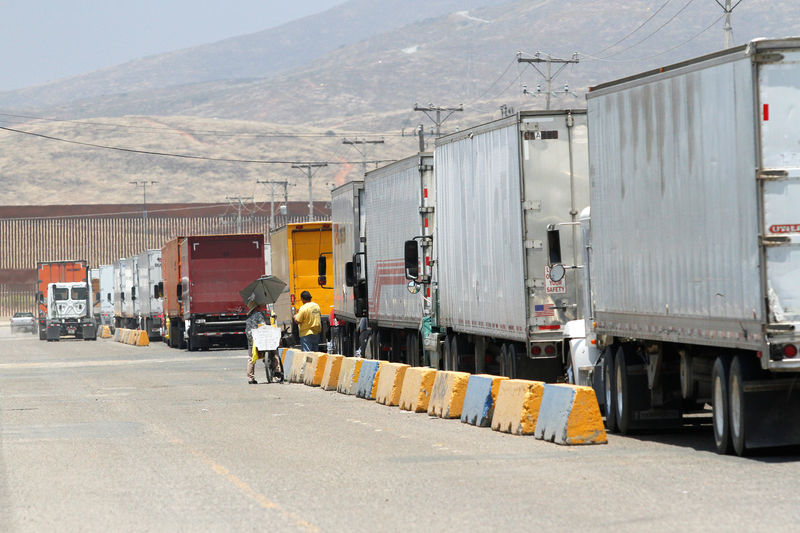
[399, 202]
[296, 251]
[49, 272]
[105, 294]
[691, 262]
[348, 272]
[493, 303]
[70, 311]
[149, 291]
[203, 275]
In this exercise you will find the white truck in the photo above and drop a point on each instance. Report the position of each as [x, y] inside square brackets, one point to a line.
[399, 204]
[349, 268]
[106, 294]
[695, 244]
[149, 292]
[69, 311]
[498, 186]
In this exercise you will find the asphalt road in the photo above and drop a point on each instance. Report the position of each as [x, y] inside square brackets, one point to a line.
[100, 436]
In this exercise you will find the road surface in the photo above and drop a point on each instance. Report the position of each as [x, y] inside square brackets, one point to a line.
[101, 436]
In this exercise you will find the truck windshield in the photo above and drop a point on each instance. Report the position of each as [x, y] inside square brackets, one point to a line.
[79, 293]
[60, 293]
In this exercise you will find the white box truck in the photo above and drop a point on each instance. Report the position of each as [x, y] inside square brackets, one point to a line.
[106, 294]
[149, 292]
[695, 244]
[399, 205]
[349, 282]
[498, 187]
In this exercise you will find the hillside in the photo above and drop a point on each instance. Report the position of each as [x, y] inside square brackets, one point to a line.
[392, 58]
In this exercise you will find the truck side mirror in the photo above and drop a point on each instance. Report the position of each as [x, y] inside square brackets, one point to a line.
[133, 293]
[349, 274]
[160, 289]
[180, 292]
[97, 297]
[108, 296]
[412, 260]
[322, 268]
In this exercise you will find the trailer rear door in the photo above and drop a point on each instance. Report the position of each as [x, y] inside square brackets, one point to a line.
[779, 93]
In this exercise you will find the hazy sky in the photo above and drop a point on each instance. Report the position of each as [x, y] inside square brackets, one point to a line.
[44, 40]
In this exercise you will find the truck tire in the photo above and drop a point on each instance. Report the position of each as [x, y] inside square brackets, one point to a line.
[193, 342]
[42, 334]
[720, 404]
[608, 390]
[742, 369]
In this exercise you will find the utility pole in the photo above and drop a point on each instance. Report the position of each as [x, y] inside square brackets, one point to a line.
[143, 185]
[438, 110]
[307, 167]
[354, 143]
[547, 75]
[239, 201]
[728, 29]
[272, 185]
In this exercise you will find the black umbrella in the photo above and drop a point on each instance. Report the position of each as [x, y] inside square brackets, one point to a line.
[265, 290]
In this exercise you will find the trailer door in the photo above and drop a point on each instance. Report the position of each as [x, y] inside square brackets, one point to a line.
[779, 109]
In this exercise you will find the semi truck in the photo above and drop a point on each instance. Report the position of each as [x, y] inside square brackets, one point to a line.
[399, 202]
[119, 291]
[349, 291]
[69, 311]
[48, 272]
[172, 302]
[149, 291]
[495, 306]
[694, 249]
[105, 294]
[296, 251]
[208, 273]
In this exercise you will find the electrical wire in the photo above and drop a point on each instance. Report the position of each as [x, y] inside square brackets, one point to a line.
[640, 26]
[181, 156]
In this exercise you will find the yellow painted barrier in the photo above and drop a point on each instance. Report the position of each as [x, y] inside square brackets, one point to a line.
[517, 406]
[315, 368]
[569, 414]
[390, 383]
[447, 398]
[142, 339]
[348, 375]
[330, 377]
[480, 399]
[117, 333]
[298, 366]
[417, 389]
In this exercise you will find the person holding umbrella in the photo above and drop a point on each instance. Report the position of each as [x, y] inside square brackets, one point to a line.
[265, 290]
[258, 316]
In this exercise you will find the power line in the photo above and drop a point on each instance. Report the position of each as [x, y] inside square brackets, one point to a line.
[182, 156]
[640, 26]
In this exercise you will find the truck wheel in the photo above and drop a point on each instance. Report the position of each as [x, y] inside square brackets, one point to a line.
[609, 390]
[742, 369]
[720, 404]
[42, 334]
[193, 344]
[623, 396]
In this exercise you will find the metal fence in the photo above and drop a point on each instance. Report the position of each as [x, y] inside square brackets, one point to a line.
[99, 240]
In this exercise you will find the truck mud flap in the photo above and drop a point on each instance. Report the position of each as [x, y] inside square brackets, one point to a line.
[53, 332]
[772, 413]
[89, 333]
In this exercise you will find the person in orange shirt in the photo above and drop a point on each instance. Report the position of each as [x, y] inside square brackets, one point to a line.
[308, 319]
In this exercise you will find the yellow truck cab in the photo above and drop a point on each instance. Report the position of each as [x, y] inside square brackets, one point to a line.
[295, 250]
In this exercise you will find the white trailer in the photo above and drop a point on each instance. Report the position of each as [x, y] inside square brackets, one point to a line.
[347, 217]
[399, 206]
[106, 294]
[149, 292]
[130, 301]
[695, 244]
[119, 292]
[498, 188]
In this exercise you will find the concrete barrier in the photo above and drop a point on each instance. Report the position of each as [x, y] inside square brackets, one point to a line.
[417, 389]
[297, 367]
[348, 375]
[288, 358]
[367, 379]
[105, 332]
[480, 399]
[517, 407]
[315, 368]
[117, 333]
[142, 339]
[569, 414]
[330, 377]
[447, 397]
[282, 355]
[390, 383]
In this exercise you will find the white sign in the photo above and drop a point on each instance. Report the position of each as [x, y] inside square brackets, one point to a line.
[551, 287]
[266, 338]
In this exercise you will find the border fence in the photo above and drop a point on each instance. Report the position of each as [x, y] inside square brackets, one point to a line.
[29, 234]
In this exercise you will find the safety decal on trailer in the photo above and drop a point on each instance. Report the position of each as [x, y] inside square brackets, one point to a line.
[784, 228]
[552, 287]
